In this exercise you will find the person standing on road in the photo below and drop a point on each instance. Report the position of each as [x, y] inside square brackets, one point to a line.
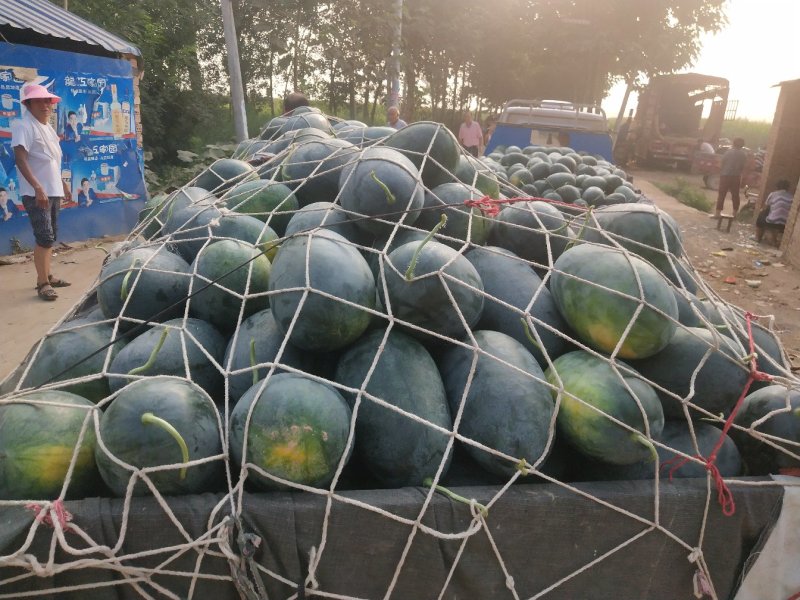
[470, 135]
[730, 176]
[38, 157]
[393, 118]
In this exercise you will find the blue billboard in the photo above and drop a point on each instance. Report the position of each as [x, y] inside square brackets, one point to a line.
[95, 121]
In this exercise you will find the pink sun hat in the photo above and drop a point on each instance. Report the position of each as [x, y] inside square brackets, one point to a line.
[33, 91]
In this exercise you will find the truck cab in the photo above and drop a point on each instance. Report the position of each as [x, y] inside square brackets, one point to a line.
[582, 127]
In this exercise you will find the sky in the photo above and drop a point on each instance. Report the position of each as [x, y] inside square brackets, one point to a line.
[758, 48]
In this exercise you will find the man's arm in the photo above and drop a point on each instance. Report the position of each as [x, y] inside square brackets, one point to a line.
[21, 157]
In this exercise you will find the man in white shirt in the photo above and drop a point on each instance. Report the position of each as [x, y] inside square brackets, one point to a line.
[470, 135]
[38, 157]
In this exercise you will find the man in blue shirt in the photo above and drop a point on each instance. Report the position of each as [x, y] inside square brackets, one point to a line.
[86, 195]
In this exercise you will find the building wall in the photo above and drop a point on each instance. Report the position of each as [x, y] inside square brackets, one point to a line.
[783, 162]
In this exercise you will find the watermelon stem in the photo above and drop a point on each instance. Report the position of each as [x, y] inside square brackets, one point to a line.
[413, 264]
[152, 359]
[149, 418]
[253, 359]
[390, 199]
[529, 335]
[640, 439]
[428, 482]
[123, 292]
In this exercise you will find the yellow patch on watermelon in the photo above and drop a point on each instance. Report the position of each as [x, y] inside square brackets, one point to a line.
[296, 453]
[47, 466]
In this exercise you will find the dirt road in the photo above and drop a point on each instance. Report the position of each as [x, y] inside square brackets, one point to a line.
[716, 254]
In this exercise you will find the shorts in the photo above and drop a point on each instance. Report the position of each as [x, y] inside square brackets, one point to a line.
[473, 150]
[43, 221]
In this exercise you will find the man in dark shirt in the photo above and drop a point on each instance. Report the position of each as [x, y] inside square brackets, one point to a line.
[730, 176]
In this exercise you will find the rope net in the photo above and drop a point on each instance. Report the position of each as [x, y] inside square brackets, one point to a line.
[344, 308]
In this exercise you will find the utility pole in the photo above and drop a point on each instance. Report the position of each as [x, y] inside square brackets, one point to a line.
[235, 72]
[394, 62]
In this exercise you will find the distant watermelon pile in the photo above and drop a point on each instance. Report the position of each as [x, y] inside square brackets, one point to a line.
[327, 310]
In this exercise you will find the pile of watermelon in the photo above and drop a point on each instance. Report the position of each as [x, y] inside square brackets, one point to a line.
[343, 306]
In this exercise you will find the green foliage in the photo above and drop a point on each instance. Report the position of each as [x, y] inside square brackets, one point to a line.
[455, 54]
[755, 133]
[686, 193]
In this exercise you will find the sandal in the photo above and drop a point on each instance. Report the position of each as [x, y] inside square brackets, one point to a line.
[46, 292]
[55, 282]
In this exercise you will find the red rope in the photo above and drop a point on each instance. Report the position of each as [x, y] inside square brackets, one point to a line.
[491, 206]
[724, 494]
[62, 514]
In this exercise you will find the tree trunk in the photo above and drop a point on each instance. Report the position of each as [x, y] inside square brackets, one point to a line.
[378, 91]
[365, 107]
[352, 93]
[410, 104]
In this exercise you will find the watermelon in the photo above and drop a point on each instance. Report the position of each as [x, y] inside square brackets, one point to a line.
[39, 434]
[780, 409]
[257, 341]
[223, 174]
[420, 295]
[204, 351]
[73, 353]
[146, 283]
[234, 268]
[466, 224]
[432, 149]
[312, 169]
[473, 173]
[642, 229]
[322, 214]
[597, 291]
[336, 268]
[303, 120]
[382, 183]
[514, 290]
[535, 231]
[297, 433]
[593, 391]
[130, 434]
[269, 201]
[707, 361]
[513, 158]
[506, 407]
[245, 228]
[188, 229]
[397, 450]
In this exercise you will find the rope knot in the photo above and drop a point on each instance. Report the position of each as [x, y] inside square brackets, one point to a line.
[488, 206]
[49, 516]
[724, 494]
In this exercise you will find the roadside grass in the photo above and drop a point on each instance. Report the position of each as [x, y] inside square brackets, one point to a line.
[686, 193]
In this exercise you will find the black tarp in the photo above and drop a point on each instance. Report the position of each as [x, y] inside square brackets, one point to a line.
[543, 532]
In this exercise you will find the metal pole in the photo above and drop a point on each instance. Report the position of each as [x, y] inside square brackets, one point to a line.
[237, 93]
[394, 63]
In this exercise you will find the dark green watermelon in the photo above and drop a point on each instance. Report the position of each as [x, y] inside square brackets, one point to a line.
[423, 300]
[322, 214]
[75, 353]
[204, 347]
[783, 425]
[127, 434]
[39, 433]
[381, 183]
[432, 149]
[273, 203]
[535, 231]
[464, 223]
[234, 267]
[472, 172]
[312, 169]
[397, 450]
[146, 283]
[507, 406]
[699, 359]
[223, 174]
[256, 341]
[514, 291]
[297, 432]
[336, 268]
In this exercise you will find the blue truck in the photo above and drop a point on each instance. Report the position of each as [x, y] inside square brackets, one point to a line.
[582, 127]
